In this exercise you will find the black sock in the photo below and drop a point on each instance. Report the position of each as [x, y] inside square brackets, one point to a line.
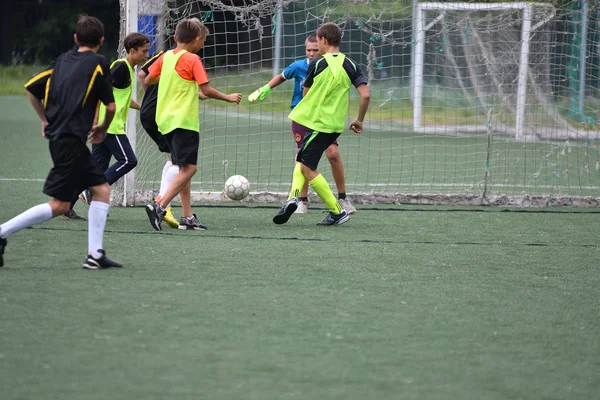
[74, 198]
[341, 196]
[303, 199]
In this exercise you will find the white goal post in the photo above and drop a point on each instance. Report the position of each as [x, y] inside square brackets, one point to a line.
[128, 198]
[420, 28]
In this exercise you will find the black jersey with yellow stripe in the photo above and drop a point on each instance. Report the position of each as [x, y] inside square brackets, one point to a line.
[37, 85]
[72, 88]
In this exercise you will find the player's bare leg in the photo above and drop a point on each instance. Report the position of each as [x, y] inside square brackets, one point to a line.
[186, 199]
[337, 170]
[101, 193]
[59, 207]
[337, 167]
[189, 220]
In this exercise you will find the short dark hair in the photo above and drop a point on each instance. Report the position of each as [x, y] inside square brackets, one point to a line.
[189, 29]
[134, 41]
[89, 31]
[311, 38]
[331, 32]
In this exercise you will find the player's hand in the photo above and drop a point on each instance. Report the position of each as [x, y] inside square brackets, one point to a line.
[259, 94]
[97, 134]
[44, 125]
[356, 126]
[234, 98]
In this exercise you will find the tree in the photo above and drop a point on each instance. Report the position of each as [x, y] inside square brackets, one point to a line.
[44, 28]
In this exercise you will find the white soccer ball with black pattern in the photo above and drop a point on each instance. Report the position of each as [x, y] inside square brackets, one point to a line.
[237, 187]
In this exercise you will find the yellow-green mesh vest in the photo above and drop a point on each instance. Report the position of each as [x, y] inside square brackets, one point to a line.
[177, 103]
[325, 106]
[122, 102]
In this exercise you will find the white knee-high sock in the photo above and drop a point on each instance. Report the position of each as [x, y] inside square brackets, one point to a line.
[96, 222]
[163, 189]
[169, 176]
[33, 216]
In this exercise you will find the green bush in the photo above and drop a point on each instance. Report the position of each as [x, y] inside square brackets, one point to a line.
[13, 78]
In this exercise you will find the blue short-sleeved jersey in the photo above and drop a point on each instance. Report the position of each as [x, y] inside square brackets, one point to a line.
[297, 70]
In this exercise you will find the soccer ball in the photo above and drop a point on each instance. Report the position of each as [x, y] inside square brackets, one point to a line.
[237, 187]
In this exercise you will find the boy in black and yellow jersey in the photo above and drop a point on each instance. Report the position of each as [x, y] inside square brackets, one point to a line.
[116, 143]
[178, 73]
[66, 106]
[323, 110]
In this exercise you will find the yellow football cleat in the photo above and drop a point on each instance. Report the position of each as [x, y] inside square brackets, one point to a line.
[170, 219]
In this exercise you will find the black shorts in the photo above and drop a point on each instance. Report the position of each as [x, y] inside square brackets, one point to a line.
[313, 147]
[184, 145]
[148, 120]
[300, 131]
[74, 169]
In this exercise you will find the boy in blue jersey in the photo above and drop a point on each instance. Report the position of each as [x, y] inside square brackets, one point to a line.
[297, 71]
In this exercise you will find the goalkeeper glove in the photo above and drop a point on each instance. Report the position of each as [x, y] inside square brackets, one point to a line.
[259, 93]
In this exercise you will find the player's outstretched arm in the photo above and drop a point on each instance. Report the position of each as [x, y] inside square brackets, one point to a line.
[363, 105]
[262, 92]
[212, 93]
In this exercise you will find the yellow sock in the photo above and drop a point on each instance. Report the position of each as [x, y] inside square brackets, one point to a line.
[297, 182]
[320, 185]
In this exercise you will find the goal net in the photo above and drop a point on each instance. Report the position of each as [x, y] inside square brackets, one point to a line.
[471, 103]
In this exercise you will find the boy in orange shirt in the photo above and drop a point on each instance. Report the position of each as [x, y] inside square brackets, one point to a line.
[178, 73]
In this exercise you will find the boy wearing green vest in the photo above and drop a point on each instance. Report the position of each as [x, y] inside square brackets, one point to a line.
[297, 71]
[116, 143]
[178, 73]
[323, 110]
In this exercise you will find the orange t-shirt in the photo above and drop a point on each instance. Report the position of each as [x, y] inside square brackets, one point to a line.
[189, 67]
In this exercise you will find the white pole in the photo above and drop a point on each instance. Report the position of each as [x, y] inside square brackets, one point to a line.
[415, 5]
[131, 15]
[277, 49]
[582, 63]
[161, 28]
[523, 68]
[419, 35]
